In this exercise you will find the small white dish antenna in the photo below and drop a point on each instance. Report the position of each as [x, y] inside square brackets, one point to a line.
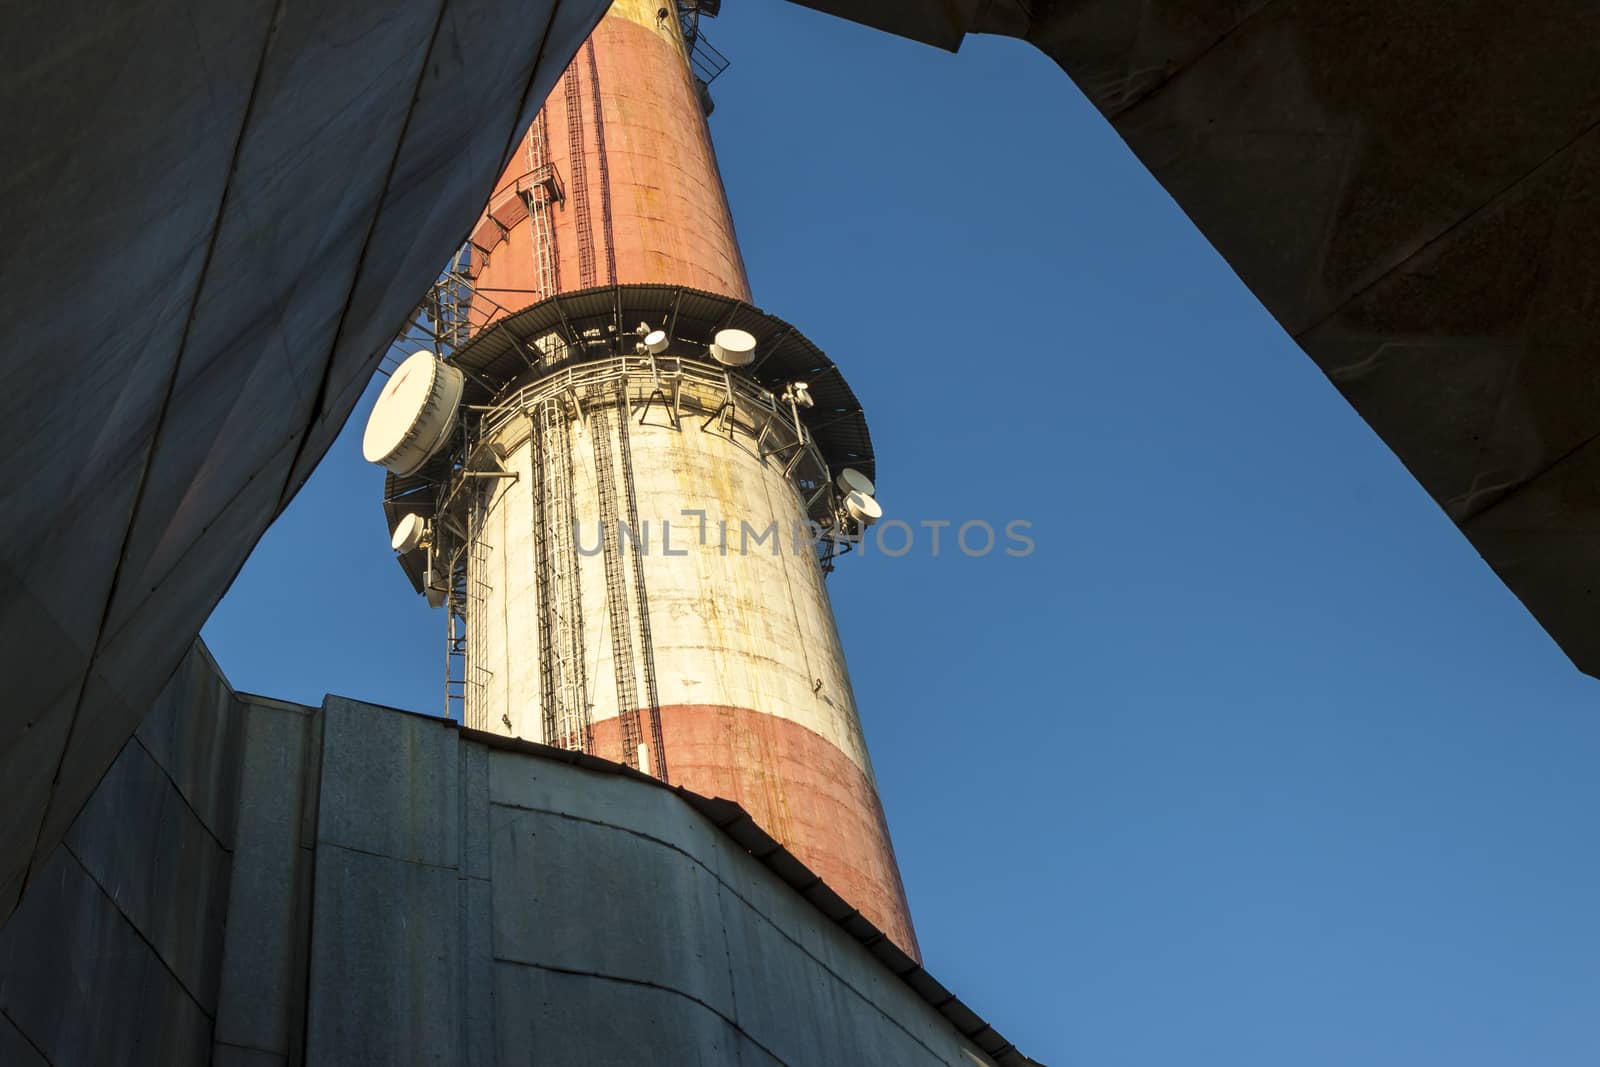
[864, 509]
[799, 394]
[733, 348]
[409, 533]
[851, 480]
[655, 342]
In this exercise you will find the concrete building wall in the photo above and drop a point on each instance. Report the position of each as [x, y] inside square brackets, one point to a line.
[115, 952]
[257, 883]
[529, 911]
[262, 1000]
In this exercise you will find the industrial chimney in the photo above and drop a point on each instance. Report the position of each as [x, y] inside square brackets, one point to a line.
[626, 484]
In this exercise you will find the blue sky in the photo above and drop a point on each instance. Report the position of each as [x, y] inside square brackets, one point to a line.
[1252, 761]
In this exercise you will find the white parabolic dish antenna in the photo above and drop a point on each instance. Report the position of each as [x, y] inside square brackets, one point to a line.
[733, 348]
[414, 414]
[853, 481]
[408, 533]
[863, 508]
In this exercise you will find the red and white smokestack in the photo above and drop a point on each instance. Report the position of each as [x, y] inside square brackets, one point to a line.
[623, 517]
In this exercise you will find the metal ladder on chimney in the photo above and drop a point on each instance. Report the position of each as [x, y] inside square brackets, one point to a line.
[539, 206]
[578, 165]
[478, 588]
[549, 686]
[647, 648]
[455, 654]
[616, 586]
[564, 687]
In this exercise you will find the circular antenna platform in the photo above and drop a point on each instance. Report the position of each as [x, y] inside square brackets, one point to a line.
[733, 348]
[408, 534]
[414, 414]
[655, 342]
[863, 508]
[851, 480]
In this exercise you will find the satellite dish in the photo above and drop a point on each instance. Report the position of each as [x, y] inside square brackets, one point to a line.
[655, 342]
[863, 508]
[408, 533]
[733, 348]
[851, 480]
[414, 414]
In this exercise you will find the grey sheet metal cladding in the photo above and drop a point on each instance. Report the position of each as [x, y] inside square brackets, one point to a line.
[504, 352]
[216, 218]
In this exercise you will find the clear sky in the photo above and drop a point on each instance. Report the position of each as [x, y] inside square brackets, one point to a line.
[1252, 762]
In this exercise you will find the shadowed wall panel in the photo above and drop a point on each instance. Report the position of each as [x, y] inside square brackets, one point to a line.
[216, 217]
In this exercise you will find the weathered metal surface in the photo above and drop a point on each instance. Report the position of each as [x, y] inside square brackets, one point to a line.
[15, 1049]
[566, 1010]
[390, 784]
[385, 983]
[234, 1056]
[195, 733]
[554, 914]
[217, 217]
[262, 994]
[119, 945]
[86, 987]
[388, 933]
[168, 874]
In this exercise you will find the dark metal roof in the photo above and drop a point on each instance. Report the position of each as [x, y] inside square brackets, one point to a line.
[504, 352]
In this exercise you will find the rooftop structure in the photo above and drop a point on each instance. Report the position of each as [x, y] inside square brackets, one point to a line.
[265, 883]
